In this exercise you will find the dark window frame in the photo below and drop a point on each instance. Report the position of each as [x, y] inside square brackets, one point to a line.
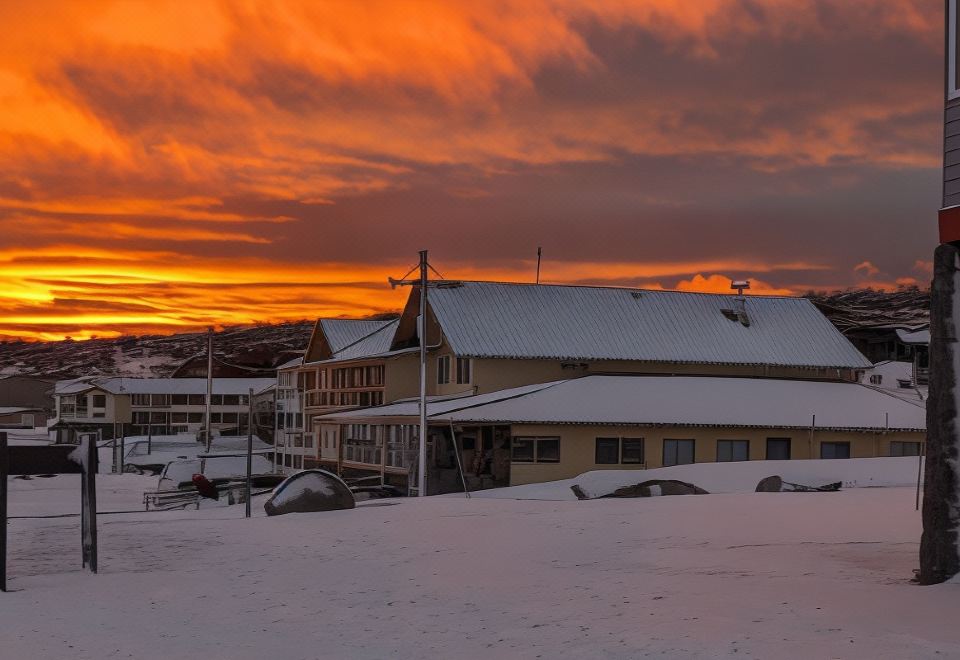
[732, 442]
[835, 444]
[443, 370]
[788, 441]
[464, 368]
[693, 452]
[609, 443]
[535, 441]
[901, 445]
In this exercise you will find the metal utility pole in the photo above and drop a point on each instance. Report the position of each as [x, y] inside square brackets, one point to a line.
[539, 254]
[422, 333]
[939, 547]
[424, 284]
[209, 401]
[249, 449]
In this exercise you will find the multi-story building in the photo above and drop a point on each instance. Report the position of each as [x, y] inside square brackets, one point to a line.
[159, 406]
[348, 364]
[485, 338]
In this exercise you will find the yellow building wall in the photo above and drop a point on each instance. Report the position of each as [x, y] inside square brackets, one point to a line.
[578, 446]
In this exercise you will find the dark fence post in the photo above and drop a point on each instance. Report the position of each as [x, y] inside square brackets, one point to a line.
[4, 469]
[89, 477]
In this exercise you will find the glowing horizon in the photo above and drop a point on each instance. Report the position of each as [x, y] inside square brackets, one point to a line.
[167, 166]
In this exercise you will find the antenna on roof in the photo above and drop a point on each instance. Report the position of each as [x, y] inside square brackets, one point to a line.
[539, 253]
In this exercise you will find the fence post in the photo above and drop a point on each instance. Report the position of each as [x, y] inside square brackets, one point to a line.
[4, 469]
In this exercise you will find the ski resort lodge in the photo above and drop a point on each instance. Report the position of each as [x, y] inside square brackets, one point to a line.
[541, 382]
[157, 406]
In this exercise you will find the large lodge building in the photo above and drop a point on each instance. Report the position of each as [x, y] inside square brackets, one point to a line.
[531, 383]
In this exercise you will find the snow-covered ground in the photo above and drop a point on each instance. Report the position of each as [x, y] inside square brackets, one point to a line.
[739, 477]
[741, 575]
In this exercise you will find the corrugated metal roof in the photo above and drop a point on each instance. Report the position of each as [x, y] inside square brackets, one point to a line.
[374, 343]
[488, 319]
[674, 401]
[435, 405]
[704, 401]
[357, 337]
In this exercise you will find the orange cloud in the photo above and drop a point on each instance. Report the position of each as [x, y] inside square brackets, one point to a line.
[721, 284]
[166, 160]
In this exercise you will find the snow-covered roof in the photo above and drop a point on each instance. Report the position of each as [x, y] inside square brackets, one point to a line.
[488, 319]
[295, 362]
[358, 337]
[914, 336]
[435, 405]
[676, 401]
[13, 410]
[167, 385]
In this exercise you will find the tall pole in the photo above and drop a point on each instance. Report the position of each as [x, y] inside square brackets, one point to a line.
[249, 449]
[939, 546]
[209, 401]
[539, 253]
[422, 332]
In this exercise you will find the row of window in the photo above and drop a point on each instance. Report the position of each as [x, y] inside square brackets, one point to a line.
[460, 370]
[165, 418]
[289, 420]
[156, 400]
[344, 399]
[630, 451]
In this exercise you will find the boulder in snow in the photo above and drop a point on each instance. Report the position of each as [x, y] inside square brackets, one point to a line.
[309, 491]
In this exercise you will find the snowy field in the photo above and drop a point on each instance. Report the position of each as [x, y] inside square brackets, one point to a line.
[736, 575]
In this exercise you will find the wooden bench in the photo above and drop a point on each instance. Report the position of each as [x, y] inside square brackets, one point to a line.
[170, 499]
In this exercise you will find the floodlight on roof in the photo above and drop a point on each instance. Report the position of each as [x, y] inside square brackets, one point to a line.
[740, 286]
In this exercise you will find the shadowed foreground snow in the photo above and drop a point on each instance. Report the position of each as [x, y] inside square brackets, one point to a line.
[819, 575]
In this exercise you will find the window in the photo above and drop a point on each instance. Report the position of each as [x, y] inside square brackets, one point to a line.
[180, 399]
[464, 371]
[614, 451]
[876, 379]
[778, 449]
[231, 399]
[535, 450]
[99, 401]
[195, 418]
[898, 448]
[178, 418]
[140, 399]
[607, 451]
[443, 370]
[834, 450]
[522, 450]
[159, 399]
[631, 451]
[678, 452]
[197, 399]
[733, 450]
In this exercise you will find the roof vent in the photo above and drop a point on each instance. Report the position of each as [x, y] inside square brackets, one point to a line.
[637, 294]
[738, 314]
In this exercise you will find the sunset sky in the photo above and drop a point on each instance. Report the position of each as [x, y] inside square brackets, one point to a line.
[171, 165]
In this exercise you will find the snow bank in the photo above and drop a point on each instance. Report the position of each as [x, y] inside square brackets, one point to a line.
[741, 477]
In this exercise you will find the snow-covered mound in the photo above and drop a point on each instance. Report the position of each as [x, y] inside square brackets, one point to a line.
[740, 477]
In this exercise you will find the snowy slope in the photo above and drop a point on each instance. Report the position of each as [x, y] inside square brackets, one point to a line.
[740, 477]
[752, 575]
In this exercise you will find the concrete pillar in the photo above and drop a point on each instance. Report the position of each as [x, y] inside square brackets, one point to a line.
[939, 551]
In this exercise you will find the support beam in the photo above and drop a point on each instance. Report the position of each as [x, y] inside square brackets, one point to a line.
[939, 550]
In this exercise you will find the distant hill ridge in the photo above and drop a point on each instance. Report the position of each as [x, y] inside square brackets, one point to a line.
[267, 345]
